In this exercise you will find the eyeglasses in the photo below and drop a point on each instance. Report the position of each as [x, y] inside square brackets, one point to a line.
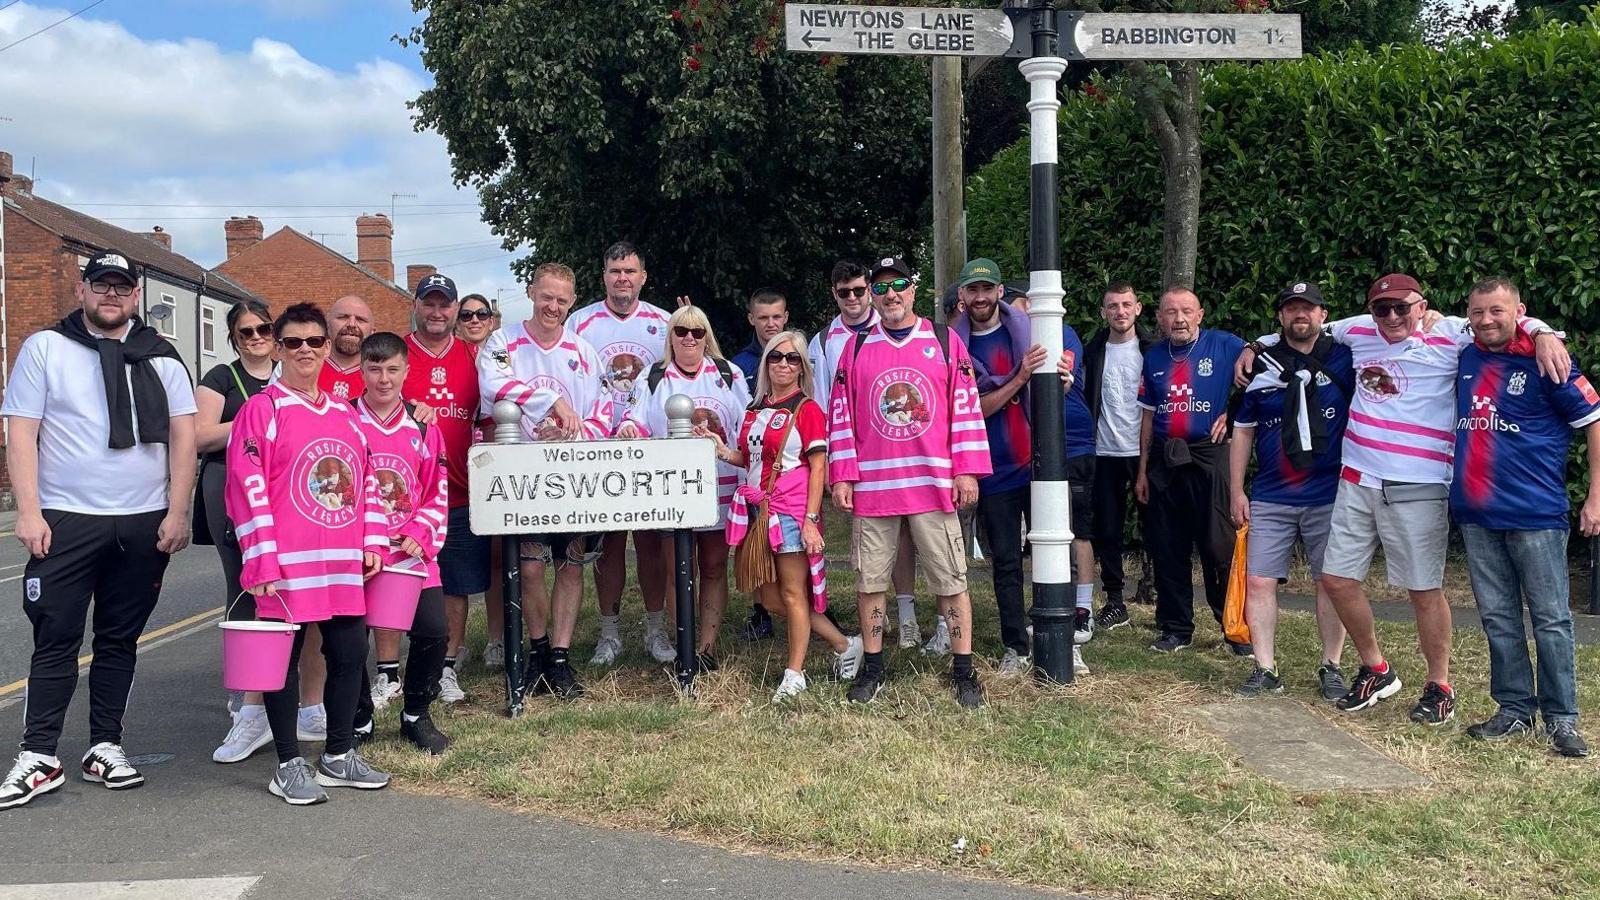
[685, 331]
[792, 358]
[106, 287]
[1386, 310]
[848, 292]
[315, 343]
[883, 287]
[484, 315]
[250, 332]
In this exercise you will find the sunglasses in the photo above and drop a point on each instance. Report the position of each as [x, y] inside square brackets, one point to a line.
[482, 315]
[791, 357]
[847, 293]
[883, 287]
[249, 332]
[1387, 310]
[106, 287]
[685, 331]
[315, 343]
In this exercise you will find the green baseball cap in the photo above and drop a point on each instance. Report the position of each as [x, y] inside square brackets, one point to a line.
[980, 269]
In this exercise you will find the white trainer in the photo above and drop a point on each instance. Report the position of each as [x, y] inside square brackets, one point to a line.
[313, 723]
[939, 644]
[910, 633]
[248, 734]
[384, 690]
[494, 655]
[1079, 667]
[793, 684]
[660, 647]
[847, 662]
[605, 652]
[1014, 664]
[449, 687]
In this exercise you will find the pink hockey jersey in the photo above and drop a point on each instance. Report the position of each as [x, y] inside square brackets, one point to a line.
[905, 422]
[304, 501]
[628, 347]
[413, 477]
[719, 404]
[513, 366]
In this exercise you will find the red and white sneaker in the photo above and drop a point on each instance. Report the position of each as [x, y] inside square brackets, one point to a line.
[34, 774]
[106, 764]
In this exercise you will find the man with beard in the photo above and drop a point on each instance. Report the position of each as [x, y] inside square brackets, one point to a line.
[630, 335]
[101, 451]
[1293, 412]
[351, 320]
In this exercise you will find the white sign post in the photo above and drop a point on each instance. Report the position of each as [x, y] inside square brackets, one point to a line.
[586, 486]
[896, 30]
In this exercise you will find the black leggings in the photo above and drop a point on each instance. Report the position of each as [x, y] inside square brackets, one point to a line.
[344, 646]
[424, 661]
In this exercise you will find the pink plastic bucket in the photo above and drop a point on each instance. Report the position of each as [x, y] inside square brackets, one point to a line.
[255, 655]
[392, 598]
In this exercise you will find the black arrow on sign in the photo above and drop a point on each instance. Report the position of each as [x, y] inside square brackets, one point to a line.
[811, 40]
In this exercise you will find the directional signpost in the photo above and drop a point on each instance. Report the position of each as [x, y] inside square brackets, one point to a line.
[1051, 39]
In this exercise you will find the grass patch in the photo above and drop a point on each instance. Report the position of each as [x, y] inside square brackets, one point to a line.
[1108, 787]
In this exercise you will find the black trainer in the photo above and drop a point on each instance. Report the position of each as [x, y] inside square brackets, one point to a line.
[562, 683]
[1370, 687]
[759, 627]
[1082, 626]
[1565, 740]
[1500, 726]
[1330, 681]
[423, 735]
[866, 686]
[1238, 649]
[1261, 681]
[1112, 615]
[1436, 706]
[1170, 643]
[534, 683]
[705, 663]
[969, 693]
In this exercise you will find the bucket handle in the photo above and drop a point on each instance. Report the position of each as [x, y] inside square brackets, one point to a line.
[287, 616]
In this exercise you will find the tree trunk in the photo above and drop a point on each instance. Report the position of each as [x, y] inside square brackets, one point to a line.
[1169, 95]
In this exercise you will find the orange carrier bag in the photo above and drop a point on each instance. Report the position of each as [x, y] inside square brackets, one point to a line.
[1233, 623]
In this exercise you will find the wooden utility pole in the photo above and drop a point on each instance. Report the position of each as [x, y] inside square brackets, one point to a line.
[949, 207]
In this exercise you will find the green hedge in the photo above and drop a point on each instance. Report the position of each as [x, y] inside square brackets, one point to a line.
[1451, 165]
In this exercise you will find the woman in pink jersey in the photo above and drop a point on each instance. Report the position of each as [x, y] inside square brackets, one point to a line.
[304, 501]
[783, 446]
[693, 366]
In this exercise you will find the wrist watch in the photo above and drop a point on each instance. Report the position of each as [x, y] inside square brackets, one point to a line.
[813, 518]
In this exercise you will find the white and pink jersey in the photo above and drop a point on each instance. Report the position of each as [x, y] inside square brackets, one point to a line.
[514, 366]
[304, 499]
[905, 422]
[824, 350]
[719, 404]
[628, 347]
[413, 477]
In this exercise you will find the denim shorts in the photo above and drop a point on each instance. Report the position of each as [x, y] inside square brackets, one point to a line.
[464, 558]
[790, 527]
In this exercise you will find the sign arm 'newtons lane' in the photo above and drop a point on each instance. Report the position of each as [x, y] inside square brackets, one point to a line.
[896, 30]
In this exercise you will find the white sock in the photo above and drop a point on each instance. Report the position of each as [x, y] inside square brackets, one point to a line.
[655, 621]
[908, 607]
[252, 710]
[409, 717]
[341, 757]
[609, 626]
[1086, 596]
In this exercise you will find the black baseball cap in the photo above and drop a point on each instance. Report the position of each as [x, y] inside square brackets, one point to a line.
[437, 284]
[1301, 290]
[110, 262]
[890, 264]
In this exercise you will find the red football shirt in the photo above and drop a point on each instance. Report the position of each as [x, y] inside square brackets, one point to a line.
[448, 382]
[344, 384]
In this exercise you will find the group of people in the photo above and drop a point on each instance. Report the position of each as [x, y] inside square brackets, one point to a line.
[329, 452]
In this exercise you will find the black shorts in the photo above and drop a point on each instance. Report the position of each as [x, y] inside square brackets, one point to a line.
[578, 548]
[1080, 484]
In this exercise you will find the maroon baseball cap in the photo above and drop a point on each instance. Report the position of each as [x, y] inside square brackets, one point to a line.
[1393, 287]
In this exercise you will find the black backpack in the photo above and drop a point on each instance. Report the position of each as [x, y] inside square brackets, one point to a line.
[658, 371]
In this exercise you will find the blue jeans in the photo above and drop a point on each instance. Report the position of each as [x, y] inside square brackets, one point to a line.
[1505, 567]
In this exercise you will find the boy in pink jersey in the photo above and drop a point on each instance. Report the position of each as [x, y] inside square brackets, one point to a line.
[304, 499]
[408, 461]
[908, 443]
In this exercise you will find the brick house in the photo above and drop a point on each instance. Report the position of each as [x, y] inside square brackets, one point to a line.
[289, 267]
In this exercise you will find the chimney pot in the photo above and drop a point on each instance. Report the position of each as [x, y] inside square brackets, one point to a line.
[375, 245]
[160, 236]
[243, 232]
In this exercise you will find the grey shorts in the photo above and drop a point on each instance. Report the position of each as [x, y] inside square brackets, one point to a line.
[1274, 529]
[1413, 533]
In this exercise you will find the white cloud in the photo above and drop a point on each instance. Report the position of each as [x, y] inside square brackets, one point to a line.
[111, 117]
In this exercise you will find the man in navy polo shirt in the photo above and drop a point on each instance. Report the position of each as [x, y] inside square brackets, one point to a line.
[1509, 495]
[1294, 413]
[1183, 466]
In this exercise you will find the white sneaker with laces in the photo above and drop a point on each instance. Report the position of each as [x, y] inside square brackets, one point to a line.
[794, 684]
[106, 764]
[605, 652]
[384, 690]
[939, 644]
[1079, 667]
[313, 723]
[450, 687]
[847, 662]
[1014, 664]
[32, 775]
[494, 655]
[660, 647]
[250, 732]
[910, 633]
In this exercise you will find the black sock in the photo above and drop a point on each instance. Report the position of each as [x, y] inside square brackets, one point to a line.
[390, 668]
[449, 662]
[540, 647]
[558, 656]
[873, 662]
[961, 664]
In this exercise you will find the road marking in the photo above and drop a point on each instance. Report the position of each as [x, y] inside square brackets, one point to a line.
[164, 634]
[161, 889]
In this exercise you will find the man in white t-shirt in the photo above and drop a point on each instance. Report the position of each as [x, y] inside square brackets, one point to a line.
[1113, 366]
[97, 392]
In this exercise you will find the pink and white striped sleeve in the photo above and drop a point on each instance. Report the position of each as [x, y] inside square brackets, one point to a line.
[245, 495]
[431, 514]
[842, 463]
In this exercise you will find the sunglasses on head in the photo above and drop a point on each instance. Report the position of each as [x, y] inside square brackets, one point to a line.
[792, 358]
[249, 332]
[484, 315]
[1387, 310]
[883, 287]
[315, 343]
[846, 293]
[106, 287]
[686, 331]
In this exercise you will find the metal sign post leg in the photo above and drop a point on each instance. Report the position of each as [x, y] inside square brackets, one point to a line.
[683, 560]
[511, 590]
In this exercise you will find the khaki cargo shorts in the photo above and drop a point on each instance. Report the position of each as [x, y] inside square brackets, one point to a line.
[937, 537]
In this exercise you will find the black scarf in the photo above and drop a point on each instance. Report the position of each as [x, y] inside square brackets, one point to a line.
[142, 345]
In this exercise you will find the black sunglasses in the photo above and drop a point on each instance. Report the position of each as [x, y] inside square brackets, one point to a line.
[792, 358]
[686, 331]
[247, 332]
[883, 287]
[1386, 310]
[848, 292]
[315, 343]
[467, 315]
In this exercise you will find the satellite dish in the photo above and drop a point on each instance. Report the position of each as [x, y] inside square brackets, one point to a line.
[160, 312]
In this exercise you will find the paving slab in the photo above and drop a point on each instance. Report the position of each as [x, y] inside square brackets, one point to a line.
[154, 889]
[1284, 741]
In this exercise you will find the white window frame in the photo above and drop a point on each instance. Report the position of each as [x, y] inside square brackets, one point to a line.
[208, 328]
[168, 327]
